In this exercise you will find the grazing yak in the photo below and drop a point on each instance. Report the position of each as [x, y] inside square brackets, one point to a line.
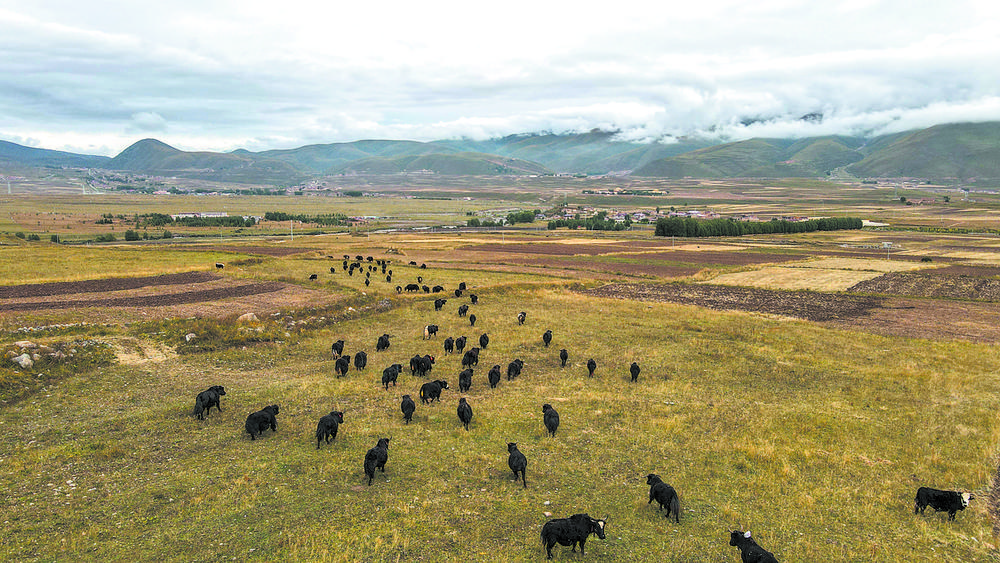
[461, 285]
[261, 420]
[471, 358]
[327, 427]
[399, 289]
[521, 317]
[517, 462]
[474, 298]
[665, 495]
[431, 391]
[460, 343]
[458, 293]
[551, 419]
[360, 361]
[563, 356]
[206, 399]
[750, 552]
[220, 265]
[438, 303]
[484, 341]
[464, 412]
[376, 458]
[407, 406]
[547, 338]
[390, 374]
[465, 380]
[462, 310]
[472, 319]
[333, 270]
[591, 366]
[412, 287]
[449, 345]
[634, 370]
[425, 288]
[429, 331]
[382, 344]
[313, 277]
[494, 376]
[338, 348]
[570, 531]
[342, 365]
[514, 368]
[941, 501]
[421, 365]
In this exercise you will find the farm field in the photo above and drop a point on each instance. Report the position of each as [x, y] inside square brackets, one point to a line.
[809, 417]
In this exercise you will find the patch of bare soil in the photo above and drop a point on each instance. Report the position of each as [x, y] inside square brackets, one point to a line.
[934, 285]
[807, 305]
[932, 319]
[161, 300]
[962, 270]
[104, 285]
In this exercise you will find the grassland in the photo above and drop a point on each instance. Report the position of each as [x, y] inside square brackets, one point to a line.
[813, 437]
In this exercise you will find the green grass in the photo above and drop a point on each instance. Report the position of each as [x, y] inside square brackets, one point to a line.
[815, 439]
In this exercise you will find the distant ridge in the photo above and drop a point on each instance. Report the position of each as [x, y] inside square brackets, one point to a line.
[959, 151]
[150, 156]
[13, 154]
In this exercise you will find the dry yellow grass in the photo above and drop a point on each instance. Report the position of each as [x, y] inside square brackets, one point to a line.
[863, 264]
[780, 277]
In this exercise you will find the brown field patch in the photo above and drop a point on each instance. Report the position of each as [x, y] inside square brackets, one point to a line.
[154, 300]
[912, 318]
[605, 267]
[102, 285]
[965, 270]
[810, 306]
[933, 286]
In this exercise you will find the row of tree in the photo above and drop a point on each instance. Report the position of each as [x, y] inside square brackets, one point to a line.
[329, 220]
[691, 227]
[590, 224]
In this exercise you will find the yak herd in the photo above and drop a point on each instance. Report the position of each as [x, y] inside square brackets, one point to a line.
[571, 531]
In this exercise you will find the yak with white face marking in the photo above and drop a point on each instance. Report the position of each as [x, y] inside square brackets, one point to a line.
[941, 501]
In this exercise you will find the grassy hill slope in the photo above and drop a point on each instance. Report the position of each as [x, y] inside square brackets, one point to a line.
[963, 151]
[17, 155]
[150, 156]
[455, 164]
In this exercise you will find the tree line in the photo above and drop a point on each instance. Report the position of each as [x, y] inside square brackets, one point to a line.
[330, 219]
[691, 227]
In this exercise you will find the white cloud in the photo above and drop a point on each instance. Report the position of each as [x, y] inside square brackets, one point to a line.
[232, 73]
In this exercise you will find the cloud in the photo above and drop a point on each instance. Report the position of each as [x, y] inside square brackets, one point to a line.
[147, 122]
[231, 73]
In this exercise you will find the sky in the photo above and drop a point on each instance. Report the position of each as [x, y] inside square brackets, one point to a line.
[96, 76]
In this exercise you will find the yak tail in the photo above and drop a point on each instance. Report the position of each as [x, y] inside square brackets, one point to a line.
[675, 505]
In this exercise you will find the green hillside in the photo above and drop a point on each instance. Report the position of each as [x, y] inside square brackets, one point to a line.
[723, 161]
[12, 154]
[150, 156]
[475, 164]
[962, 150]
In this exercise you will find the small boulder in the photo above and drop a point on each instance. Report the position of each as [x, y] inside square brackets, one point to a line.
[24, 360]
[27, 344]
[247, 318]
[190, 336]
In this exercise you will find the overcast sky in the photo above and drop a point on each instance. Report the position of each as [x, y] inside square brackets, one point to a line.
[95, 76]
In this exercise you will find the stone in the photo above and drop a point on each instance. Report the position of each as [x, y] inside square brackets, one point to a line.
[247, 318]
[24, 344]
[190, 336]
[24, 360]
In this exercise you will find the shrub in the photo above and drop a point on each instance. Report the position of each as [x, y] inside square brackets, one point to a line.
[19, 235]
[131, 235]
[168, 234]
[105, 238]
[54, 238]
[33, 236]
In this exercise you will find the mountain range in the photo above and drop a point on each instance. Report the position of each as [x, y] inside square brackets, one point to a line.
[960, 151]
